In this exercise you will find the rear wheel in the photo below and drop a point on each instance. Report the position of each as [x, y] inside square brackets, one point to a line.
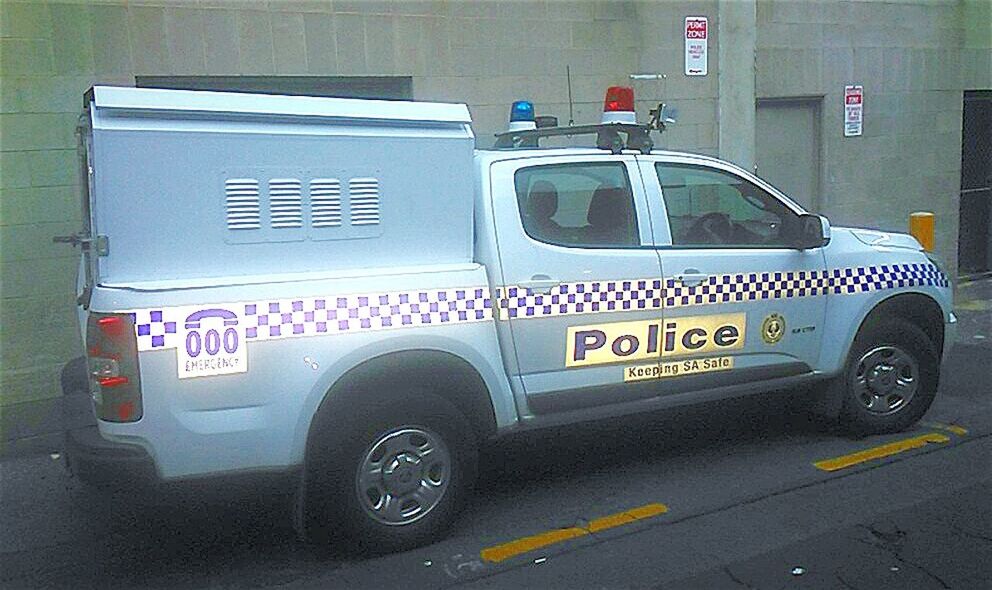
[388, 474]
[890, 379]
[404, 475]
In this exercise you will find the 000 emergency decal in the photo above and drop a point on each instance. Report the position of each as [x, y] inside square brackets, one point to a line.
[214, 344]
[653, 339]
[209, 340]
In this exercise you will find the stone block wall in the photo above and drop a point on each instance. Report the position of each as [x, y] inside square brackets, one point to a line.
[914, 60]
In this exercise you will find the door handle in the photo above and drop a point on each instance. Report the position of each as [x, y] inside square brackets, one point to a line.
[540, 284]
[691, 277]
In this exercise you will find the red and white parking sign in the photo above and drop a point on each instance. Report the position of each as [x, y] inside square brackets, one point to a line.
[696, 34]
[853, 110]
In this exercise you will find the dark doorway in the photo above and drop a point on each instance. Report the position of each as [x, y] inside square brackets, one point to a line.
[787, 147]
[381, 87]
[975, 236]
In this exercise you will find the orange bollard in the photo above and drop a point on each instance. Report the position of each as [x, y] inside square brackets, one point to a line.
[921, 227]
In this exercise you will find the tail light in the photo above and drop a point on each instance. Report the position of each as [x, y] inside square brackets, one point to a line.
[112, 353]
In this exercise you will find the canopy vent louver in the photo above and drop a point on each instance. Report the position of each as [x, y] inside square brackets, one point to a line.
[364, 201]
[242, 202]
[325, 202]
[285, 203]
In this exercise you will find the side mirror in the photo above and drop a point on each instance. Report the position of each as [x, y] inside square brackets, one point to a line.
[814, 232]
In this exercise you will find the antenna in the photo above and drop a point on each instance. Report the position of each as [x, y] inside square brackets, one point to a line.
[568, 79]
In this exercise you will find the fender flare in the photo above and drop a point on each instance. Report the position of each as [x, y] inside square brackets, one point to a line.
[491, 380]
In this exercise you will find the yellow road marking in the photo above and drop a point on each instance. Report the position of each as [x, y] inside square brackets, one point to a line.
[976, 305]
[880, 451]
[958, 430]
[504, 551]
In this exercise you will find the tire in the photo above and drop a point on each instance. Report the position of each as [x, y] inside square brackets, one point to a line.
[889, 380]
[75, 377]
[423, 490]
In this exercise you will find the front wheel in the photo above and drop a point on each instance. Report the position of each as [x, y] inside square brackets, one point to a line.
[890, 379]
[388, 474]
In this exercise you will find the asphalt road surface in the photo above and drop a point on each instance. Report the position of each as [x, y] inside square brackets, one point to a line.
[723, 496]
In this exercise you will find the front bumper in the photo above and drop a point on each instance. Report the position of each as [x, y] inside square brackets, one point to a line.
[98, 461]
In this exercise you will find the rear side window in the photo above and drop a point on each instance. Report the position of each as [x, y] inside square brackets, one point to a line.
[587, 205]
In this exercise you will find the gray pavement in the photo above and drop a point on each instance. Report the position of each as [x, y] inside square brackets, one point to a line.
[973, 306]
[746, 507]
[939, 543]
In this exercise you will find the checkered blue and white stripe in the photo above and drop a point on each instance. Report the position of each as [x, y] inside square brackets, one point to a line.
[574, 298]
[313, 316]
[741, 287]
[355, 313]
[871, 278]
[154, 329]
[646, 294]
[159, 329]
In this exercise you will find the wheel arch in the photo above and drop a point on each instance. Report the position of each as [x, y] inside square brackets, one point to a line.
[442, 373]
[917, 308]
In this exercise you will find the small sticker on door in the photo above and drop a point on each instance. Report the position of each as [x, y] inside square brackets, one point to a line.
[773, 328]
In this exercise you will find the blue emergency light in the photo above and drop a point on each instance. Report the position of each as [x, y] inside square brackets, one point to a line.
[522, 110]
[522, 116]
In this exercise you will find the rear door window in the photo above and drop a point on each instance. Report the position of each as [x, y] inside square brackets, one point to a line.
[588, 205]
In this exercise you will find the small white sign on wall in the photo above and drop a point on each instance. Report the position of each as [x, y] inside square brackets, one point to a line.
[696, 35]
[853, 110]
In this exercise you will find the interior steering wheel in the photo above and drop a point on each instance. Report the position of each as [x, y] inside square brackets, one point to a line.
[712, 228]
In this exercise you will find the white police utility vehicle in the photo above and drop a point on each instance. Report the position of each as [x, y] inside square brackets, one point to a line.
[348, 292]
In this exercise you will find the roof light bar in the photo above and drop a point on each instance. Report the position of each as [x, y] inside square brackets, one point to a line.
[619, 121]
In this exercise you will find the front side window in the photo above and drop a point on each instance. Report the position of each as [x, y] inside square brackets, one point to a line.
[709, 207]
[579, 205]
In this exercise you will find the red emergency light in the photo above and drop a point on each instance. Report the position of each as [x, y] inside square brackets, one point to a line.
[619, 98]
[619, 105]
